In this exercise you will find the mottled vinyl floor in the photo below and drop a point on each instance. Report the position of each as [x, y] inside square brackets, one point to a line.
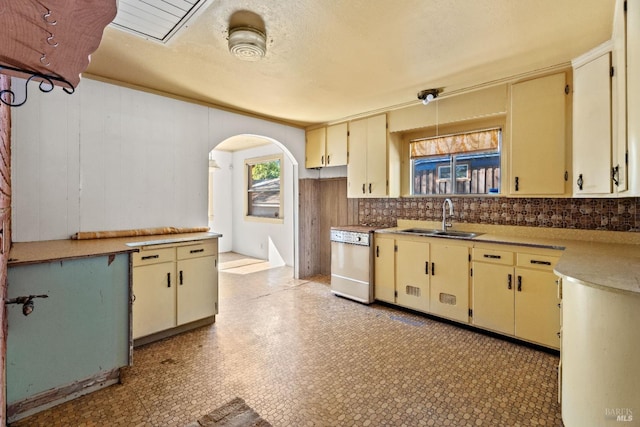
[300, 356]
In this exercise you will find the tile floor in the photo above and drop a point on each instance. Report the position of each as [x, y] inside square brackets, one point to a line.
[301, 356]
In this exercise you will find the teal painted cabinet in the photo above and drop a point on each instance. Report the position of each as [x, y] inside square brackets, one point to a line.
[80, 332]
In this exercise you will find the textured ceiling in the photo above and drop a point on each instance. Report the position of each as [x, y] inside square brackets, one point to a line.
[332, 59]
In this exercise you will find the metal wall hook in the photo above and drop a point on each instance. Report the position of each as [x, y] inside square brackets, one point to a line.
[50, 40]
[44, 61]
[46, 17]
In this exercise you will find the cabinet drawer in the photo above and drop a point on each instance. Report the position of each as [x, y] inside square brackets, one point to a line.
[197, 250]
[493, 256]
[541, 262]
[153, 256]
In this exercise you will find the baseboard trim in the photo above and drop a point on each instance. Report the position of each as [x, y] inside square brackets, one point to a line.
[173, 331]
[50, 398]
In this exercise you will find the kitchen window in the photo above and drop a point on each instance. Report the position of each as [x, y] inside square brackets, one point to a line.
[473, 156]
[264, 183]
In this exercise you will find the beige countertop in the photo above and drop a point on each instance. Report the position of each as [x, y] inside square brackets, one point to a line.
[54, 250]
[607, 260]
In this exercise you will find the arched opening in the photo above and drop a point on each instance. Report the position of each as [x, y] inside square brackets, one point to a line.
[270, 237]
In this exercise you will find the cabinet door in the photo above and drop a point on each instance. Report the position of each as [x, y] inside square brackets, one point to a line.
[377, 156]
[493, 307]
[450, 281]
[315, 148]
[537, 315]
[384, 274]
[357, 168]
[537, 149]
[336, 150]
[592, 127]
[197, 289]
[412, 274]
[154, 308]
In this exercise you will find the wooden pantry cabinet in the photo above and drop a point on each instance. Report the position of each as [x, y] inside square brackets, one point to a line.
[515, 292]
[175, 287]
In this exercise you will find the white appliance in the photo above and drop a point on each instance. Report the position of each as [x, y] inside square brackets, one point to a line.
[352, 263]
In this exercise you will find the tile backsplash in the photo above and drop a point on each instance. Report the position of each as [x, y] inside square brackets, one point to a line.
[587, 214]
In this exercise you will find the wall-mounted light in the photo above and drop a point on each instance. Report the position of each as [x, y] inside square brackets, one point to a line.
[428, 95]
[26, 301]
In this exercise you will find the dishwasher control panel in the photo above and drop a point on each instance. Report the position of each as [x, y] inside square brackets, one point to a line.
[351, 237]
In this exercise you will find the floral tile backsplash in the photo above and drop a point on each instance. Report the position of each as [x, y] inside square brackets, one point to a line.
[587, 214]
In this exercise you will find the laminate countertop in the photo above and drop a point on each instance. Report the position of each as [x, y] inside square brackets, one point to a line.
[22, 253]
[608, 260]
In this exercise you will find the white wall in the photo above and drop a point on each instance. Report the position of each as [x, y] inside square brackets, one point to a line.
[109, 157]
[222, 195]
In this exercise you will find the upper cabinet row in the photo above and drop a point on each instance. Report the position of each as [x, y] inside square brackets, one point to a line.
[570, 133]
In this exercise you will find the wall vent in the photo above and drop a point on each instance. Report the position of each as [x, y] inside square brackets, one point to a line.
[413, 291]
[155, 20]
[447, 299]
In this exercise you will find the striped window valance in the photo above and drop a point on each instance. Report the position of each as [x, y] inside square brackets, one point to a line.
[483, 140]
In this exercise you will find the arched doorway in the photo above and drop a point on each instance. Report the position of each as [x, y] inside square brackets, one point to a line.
[275, 240]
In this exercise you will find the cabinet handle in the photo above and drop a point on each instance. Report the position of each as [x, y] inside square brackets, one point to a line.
[363, 187]
[519, 283]
[433, 269]
[369, 188]
[615, 175]
[534, 261]
[580, 182]
[168, 280]
[509, 279]
[180, 277]
[426, 268]
[195, 251]
[558, 334]
[322, 160]
[517, 183]
[377, 251]
[328, 159]
[492, 256]
[150, 257]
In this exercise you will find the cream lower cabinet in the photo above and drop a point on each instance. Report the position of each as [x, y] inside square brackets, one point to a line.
[174, 285]
[515, 293]
[412, 274]
[449, 292]
[427, 275]
[384, 268]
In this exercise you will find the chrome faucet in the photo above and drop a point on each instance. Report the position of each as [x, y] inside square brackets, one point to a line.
[445, 224]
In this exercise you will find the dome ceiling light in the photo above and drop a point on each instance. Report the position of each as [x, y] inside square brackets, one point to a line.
[247, 44]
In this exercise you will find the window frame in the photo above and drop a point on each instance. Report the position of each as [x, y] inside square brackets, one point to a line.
[458, 128]
[248, 164]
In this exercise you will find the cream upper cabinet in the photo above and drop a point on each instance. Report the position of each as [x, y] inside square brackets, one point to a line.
[412, 274]
[592, 138]
[449, 287]
[315, 148]
[538, 136]
[370, 154]
[337, 143]
[326, 146]
[384, 268]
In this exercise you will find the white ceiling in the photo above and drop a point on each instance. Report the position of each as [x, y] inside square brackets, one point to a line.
[328, 60]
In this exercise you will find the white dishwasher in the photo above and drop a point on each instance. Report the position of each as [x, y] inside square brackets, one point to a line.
[352, 262]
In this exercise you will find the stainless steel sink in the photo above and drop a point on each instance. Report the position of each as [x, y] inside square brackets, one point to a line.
[441, 233]
[451, 233]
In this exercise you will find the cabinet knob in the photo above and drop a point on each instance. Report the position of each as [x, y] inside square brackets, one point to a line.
[580, 182]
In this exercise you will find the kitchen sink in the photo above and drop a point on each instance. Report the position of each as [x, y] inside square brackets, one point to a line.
[440, 233]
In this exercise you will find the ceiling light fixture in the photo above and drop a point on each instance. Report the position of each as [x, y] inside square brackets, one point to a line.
[247, 44]
[428, 95]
